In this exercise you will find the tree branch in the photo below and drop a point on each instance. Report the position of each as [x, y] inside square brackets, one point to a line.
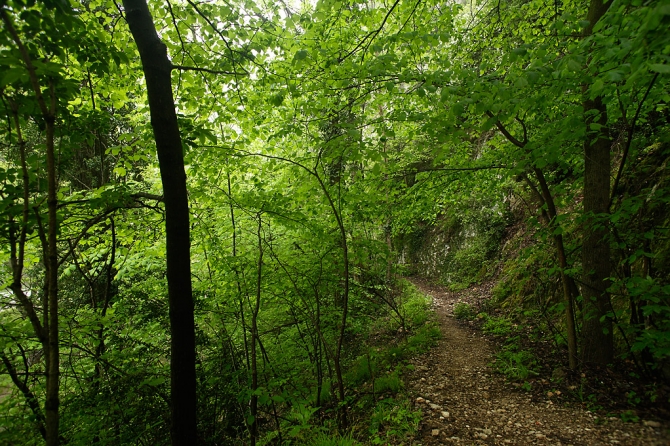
[207, 70]
[371, 34]
[629, 140]
[507, 134]
[30, 397]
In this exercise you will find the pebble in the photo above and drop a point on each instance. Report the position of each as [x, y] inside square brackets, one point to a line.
[476, 397]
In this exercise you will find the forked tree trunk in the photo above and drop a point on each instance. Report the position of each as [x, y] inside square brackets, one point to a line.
[157, 68]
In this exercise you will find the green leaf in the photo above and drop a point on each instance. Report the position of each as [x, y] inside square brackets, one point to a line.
[444, 95]
[12, 75]
[521, 82]
[597, 86]
[300, 55]
[277, 99]
[660, 68]
[574, 65]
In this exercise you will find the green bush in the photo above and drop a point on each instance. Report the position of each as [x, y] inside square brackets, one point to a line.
[463, 310]
[424, 339]
[332, 440]
[515, 364]
[498, 326]
[361, 370]
[415, 306]
[393, 421]
[388, 383]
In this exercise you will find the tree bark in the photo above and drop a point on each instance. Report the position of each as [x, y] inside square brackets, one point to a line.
[569, 286]
[253, 426]
[49, 336]
[551, 216]
[597, 340]
[157, 69]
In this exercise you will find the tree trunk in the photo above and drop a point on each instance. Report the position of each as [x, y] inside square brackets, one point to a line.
[253, 426]
[157, 68]
[50, 328]
[53, 354]
[597, 341]
[567, 281]
[28, 394]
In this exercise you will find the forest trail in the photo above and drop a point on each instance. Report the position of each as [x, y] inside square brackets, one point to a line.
[465, 402]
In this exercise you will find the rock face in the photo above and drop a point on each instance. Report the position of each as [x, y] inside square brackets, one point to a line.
[425, 251]
[464, 402]
[452, 250]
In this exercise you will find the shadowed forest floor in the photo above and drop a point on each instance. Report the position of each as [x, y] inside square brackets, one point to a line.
[465, 402]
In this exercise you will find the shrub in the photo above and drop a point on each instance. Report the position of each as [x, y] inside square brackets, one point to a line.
[393, 421]
[330, 440]
[463, 310]
[424, 339]
[388, 383]
[498, 326]
[515, 364]
[415, 307]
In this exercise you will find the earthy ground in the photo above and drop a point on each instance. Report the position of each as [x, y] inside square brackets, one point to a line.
[465, 402]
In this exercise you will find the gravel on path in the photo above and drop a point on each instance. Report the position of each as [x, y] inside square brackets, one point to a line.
[465, 402]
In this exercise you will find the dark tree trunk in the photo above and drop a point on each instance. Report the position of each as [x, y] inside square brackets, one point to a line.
[597, 341]
[53, 353]
[157, 68]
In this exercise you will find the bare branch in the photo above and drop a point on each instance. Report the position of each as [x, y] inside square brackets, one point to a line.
[208, 70]
[629, 140]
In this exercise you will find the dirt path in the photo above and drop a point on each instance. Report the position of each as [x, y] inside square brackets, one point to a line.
[464, 402]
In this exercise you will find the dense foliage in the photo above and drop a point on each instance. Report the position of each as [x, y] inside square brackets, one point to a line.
[320, 142]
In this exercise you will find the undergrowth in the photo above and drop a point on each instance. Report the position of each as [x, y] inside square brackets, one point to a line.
[384, 412]
[381, 412]
[515, 363]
